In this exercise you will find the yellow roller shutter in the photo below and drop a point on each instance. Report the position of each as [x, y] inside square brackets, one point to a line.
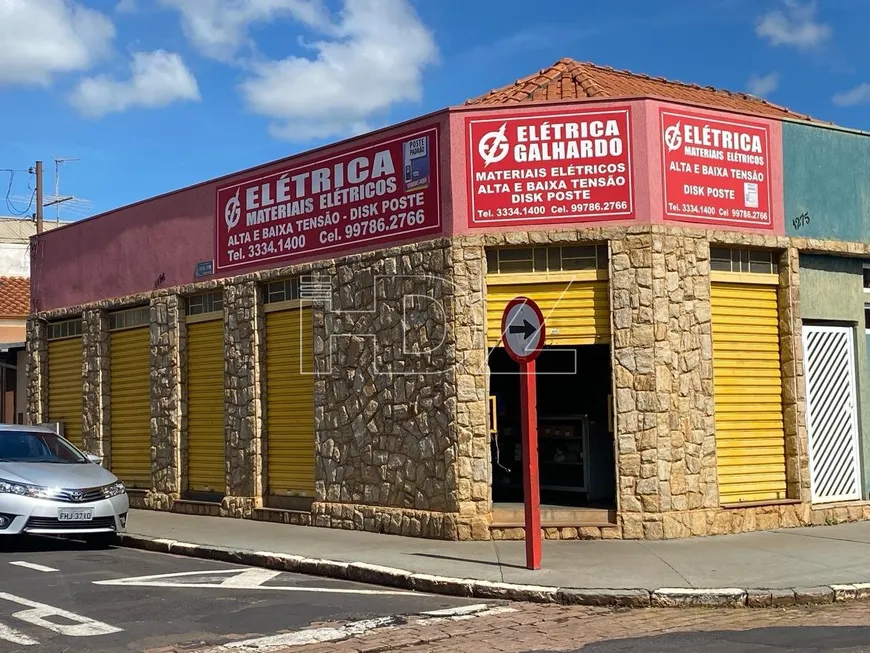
[576, 313]
[65, 386]
[131, 406]
[290, 403]
[750, 434]
[205, 407]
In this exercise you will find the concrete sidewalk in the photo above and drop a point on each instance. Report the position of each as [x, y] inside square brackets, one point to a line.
[789, 558]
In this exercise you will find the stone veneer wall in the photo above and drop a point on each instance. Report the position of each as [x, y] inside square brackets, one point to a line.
[36, 350]
[793, 382]
[415, 459]
[166, 392]
[96, 422]
[243, 333]
[395, 443]
[663, 372]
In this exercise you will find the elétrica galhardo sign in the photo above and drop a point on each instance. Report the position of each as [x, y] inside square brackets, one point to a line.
[716, 170]
[544, 168]
[385, 191]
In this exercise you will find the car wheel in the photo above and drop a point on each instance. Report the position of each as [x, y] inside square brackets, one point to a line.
[100, 540]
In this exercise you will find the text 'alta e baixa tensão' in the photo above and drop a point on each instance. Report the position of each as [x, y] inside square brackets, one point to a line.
[386, 191]
[716, 170]
[550, 167]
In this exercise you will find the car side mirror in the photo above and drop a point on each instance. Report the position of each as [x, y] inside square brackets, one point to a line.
[94, 459]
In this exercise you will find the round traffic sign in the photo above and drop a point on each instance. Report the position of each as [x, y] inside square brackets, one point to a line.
[522, 329]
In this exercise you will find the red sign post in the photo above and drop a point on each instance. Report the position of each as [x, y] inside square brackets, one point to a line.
[523, 332]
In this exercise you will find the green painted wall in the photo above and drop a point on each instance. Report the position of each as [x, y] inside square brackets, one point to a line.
[832, 289]
[826, 175]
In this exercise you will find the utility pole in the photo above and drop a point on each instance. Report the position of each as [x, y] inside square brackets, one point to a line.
[39, 197]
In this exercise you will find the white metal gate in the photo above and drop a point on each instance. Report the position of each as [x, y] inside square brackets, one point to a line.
[832, 417]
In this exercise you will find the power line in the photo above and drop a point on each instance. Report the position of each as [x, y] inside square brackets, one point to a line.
[9, 205]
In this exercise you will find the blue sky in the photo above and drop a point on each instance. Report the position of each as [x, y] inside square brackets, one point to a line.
[153, 95]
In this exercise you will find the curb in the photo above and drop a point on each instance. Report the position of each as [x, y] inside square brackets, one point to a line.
[362, 572]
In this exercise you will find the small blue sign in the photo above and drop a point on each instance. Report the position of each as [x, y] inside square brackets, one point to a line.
[204, 269]
[416, 163]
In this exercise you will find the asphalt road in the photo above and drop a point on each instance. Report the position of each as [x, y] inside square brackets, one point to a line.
[58, 596]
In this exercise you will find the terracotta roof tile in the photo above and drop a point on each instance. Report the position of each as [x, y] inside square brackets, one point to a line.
[568, 79]
[14, 296]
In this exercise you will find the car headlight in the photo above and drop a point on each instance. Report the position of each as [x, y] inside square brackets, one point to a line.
[25, 490]
[114, 490]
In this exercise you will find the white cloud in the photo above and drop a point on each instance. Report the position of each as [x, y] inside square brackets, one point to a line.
[43, 38]
[372, 55]
[763, 86]
[126, 7]
[157, 79]
[858, 95]
[219, 28]
[796, 26]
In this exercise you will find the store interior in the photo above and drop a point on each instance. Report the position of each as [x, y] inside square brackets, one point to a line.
[576, 459]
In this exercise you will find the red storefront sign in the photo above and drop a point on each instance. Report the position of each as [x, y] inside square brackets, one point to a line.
[550, 167]
[716, 171]
[383, 192]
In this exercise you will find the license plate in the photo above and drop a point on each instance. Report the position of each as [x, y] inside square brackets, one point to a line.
[72, 514]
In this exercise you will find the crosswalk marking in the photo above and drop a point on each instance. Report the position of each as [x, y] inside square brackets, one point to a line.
[241, 579]
[9, 634]
[250, 579]
[32, 565]
[37, 615]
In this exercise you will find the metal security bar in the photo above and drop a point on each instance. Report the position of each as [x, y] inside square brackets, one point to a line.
[832, 417]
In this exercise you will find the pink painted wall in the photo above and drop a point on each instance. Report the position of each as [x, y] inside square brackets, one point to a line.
[647, 150]
[125, 251]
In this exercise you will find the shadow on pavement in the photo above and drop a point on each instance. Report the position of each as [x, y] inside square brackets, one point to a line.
[844, 639]
[438, 556]
[45, 544]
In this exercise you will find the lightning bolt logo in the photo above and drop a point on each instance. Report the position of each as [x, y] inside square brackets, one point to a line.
[673, 137]
[493, 147]
[233, 211]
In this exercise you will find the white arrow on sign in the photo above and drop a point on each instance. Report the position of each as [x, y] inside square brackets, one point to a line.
[522, 325]
[241, 579]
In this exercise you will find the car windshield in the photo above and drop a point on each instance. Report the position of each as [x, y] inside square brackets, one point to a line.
[36, 447]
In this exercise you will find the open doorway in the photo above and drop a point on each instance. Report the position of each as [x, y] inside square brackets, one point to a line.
[575, 439]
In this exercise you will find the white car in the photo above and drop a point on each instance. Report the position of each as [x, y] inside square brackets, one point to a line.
[49, 487]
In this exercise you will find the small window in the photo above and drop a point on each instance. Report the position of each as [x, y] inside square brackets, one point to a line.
[134, 317]
[867, 318]
[752, 261]
[492, 262]
[720, 259]
[579, 258]
[867, 278]
[282, 291]
[525, 260]
[212, 302]
[65, 329]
